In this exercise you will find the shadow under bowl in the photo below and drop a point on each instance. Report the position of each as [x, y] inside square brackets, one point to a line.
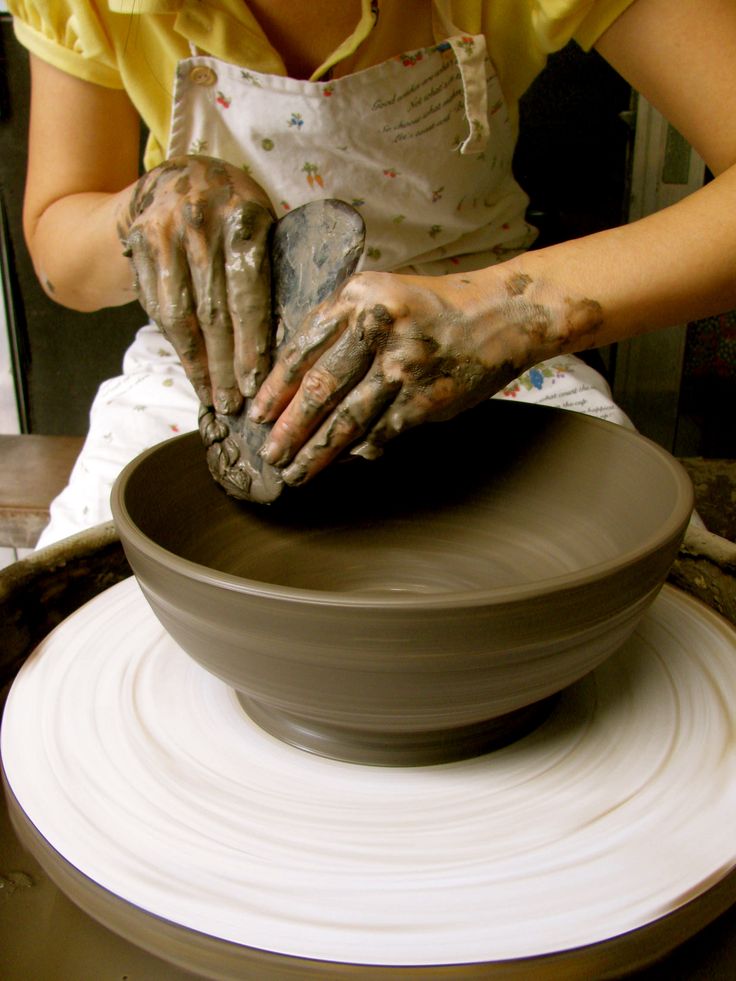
[423, 607]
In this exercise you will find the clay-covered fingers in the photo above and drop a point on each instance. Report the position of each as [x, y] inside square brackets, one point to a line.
[381, 407]
[164, 291]
[351, 419]
[410, 408]
[337, 381]
[248, 290]
[209, 286]
[197, 232]
[321, 329]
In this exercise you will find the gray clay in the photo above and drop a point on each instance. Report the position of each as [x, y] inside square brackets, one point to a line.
[315, 248]
[424, 624]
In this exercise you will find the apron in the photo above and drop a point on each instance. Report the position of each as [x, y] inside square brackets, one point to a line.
[421, 145]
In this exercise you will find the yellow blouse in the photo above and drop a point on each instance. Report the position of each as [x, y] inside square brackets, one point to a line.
[135, 44]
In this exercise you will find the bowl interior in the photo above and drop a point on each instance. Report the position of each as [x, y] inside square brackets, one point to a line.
[505, 496]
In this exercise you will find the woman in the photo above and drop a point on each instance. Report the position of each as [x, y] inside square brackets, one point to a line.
[406, 109]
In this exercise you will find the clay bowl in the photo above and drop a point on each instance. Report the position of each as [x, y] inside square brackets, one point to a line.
[423, 607]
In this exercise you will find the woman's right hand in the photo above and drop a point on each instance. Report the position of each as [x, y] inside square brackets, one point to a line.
[197, 231]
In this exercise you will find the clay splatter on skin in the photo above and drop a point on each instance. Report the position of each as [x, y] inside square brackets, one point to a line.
[382, 318]
[329, 329]
[584, 319]
[433, 365]
[194, 214]
[581, 319]
[214, 247]
[143, 196]
[517, 284]
[537, 321]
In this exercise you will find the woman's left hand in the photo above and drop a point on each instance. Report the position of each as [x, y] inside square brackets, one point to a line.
[391, 351]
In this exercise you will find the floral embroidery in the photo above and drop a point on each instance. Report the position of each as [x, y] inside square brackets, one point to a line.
[434, 231]
[390, 172]
[467, 43]
[296, 120]
[328, 90]
[198, 146]
[409, 60]
[267, 144]
[285, 205]
[437, 194]
[174, 428]
[246, 76]
[313, 174]
[534, 379]
[167, 382]
[477, 128]
[373, 253]
[223, 100]
[246, 168]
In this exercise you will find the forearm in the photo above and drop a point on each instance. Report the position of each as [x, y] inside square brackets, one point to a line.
[77, 252]
[671, 267]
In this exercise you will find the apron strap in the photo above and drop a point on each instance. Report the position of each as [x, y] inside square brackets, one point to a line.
[470, 52]
[472, 60]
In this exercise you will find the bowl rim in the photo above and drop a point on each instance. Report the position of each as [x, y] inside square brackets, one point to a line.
[671, 530]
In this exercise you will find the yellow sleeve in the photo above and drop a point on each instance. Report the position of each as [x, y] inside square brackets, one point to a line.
[70, 35]
[555, 22]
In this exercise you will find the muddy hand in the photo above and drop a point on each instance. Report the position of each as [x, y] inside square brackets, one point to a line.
[314, 249]
[390, 352]
[197, 234]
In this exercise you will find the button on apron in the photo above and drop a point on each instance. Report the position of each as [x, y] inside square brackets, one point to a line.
[203, 75]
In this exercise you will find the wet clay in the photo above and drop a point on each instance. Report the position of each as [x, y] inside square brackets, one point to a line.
[427, 623]
[314, 249]
[197, 233]
[392, 352]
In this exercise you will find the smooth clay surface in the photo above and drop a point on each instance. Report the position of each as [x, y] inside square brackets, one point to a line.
[411, 609]
[589, 847]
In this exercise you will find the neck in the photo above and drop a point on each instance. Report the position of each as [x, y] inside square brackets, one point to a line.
[305, 34]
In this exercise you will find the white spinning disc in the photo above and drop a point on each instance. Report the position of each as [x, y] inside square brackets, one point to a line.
[143, 772]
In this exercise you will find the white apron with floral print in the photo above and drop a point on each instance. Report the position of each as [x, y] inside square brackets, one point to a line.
[421, 145]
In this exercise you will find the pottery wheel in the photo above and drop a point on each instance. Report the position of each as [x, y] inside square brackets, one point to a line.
[144, 773]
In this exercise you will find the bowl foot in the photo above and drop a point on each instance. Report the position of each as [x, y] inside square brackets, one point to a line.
[423, 748]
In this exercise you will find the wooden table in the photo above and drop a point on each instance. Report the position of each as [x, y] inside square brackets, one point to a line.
[33, 470]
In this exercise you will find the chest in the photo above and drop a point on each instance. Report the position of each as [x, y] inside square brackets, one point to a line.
[306, 35]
